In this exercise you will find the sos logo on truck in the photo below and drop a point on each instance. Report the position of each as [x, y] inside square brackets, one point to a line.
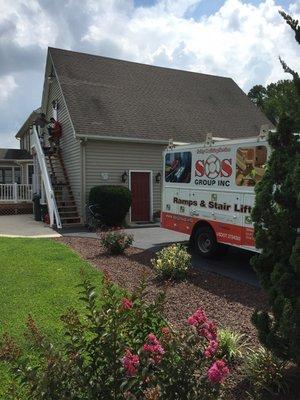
[213, 171]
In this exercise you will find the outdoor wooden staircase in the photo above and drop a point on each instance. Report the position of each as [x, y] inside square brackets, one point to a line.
[62, 190]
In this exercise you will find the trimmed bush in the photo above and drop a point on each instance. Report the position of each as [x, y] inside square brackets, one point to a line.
[113, 203]
[115, 242]
[172, 262]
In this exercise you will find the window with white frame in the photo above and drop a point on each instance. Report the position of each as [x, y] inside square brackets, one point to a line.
[30, 173]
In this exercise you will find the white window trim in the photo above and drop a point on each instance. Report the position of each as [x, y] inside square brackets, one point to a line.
[27, 173]
[13, 171]
[151, 189]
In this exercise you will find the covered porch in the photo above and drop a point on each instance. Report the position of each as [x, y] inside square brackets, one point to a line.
[16, 175]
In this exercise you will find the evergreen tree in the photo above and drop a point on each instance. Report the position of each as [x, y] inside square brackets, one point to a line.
[276, 98]
[276, 217]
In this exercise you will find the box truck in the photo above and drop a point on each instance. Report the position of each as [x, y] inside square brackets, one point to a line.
[208, 190]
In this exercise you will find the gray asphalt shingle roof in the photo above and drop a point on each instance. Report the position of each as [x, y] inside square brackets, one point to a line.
[114, 98]
[14, 154]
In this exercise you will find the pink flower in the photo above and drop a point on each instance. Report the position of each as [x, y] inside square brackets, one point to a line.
[126, 304]
[198, 318]
[165, 330]
[154, 347]
[130, 362]
[208, 330]
[218, 372]
[211, 349]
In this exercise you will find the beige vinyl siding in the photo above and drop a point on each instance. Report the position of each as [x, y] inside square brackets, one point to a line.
[69, 145]
[25, 142]
[114, 158]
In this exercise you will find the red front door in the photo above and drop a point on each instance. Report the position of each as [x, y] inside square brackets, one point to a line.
[140, 192]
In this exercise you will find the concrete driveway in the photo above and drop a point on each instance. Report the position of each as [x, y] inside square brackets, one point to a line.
[235, 264]
[24, 226]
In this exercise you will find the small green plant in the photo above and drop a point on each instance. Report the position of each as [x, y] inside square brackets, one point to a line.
[265, 373]
[231, 344]
[172, 262]
[115, 242]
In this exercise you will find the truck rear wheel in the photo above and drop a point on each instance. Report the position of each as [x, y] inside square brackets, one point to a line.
[205, 242]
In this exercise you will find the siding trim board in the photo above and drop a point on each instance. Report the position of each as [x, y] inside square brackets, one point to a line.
[62, 94]
[128, 139]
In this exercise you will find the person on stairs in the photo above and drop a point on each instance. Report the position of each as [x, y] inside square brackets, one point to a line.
[40, 124]
[55, 133]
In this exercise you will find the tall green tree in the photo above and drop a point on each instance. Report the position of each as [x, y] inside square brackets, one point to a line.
[276, 98]
[276, 217]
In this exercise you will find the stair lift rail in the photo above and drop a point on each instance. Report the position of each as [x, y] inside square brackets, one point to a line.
[52, 206]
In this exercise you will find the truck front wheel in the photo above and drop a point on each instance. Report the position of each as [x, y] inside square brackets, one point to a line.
[205, 241]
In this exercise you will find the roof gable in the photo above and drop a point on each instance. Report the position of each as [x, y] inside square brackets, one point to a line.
[14, 154]
[114, 98]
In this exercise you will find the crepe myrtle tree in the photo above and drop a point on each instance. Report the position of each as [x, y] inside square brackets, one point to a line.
[276, 217]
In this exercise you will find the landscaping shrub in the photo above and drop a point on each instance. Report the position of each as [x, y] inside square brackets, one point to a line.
[231, 345]
[121, 349]
[265, 373]
[113, 203]
[115, 242]
[172, 262]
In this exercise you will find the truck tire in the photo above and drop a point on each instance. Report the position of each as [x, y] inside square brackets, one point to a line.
[205, 242]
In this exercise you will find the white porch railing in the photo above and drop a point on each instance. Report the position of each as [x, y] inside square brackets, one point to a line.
[45, 178]
[15, 193]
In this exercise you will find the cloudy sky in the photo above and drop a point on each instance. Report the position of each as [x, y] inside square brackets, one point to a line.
[237, 38]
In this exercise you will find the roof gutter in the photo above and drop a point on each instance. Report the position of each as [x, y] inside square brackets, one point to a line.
[16, 161]
[127, 139]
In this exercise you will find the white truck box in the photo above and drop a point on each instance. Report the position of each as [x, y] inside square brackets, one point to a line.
[209, 187]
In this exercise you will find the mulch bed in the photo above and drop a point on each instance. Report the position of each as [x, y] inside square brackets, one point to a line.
[227, 302]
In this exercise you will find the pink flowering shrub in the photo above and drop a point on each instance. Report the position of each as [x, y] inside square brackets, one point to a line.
[130, 363]
[218, 371]
[127, 304]
[154, 348]
[115, 241]
[121, 348]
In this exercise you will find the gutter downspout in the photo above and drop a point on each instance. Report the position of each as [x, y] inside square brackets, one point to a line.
[83, 143]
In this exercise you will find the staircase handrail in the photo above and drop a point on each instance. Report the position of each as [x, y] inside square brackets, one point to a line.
[52, 206]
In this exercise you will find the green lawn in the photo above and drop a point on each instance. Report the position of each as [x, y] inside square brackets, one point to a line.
[37, 276]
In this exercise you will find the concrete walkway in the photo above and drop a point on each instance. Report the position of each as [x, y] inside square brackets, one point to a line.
[24, 226]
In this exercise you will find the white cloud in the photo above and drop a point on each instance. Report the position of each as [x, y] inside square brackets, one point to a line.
[32, 25]
[8, 140]
[241, 40]
[7, 86]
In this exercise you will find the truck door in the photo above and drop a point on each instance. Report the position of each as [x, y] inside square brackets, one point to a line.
[226, 217]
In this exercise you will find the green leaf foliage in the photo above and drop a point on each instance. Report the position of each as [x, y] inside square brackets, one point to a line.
[276, 98]
[276, 217]
[113, 203]
[119, 348]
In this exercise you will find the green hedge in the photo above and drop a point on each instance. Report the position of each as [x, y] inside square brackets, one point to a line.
[113, 203]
